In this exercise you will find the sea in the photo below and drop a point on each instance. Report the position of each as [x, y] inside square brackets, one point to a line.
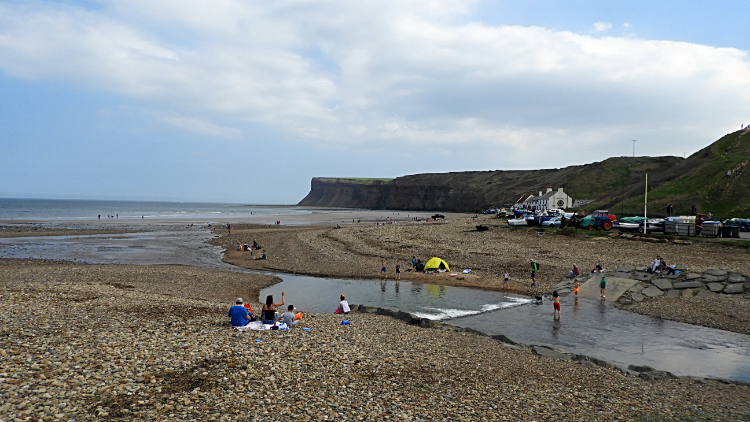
[74, 209]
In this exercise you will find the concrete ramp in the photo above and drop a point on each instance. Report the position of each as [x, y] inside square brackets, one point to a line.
[615, 287]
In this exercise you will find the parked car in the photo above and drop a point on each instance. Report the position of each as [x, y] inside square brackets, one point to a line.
[491, 211]
[553, 222]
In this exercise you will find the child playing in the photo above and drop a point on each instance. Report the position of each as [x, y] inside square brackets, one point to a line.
[383, 270]
[506, 279]
[575, 287]
[288, 317]
[602, 286]
[398, 270]
[556, 304]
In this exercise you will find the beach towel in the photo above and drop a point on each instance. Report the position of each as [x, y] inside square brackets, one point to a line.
[467, 271]
[255, 326]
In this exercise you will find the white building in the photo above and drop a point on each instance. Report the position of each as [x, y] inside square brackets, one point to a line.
[551, 199]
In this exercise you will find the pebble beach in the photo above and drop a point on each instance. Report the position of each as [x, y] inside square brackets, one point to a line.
[127, 342]
[112, 342]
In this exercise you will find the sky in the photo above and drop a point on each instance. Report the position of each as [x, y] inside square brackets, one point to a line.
[246, 102]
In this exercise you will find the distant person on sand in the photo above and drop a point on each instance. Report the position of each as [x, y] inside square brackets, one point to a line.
[602, 286]
[383, 270]
[398, 270]
[239, 314]
[343, 305]
[269, 309]
[506, 279]
[555, 304]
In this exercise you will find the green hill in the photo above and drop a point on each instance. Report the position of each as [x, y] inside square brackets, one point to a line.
[616, 184]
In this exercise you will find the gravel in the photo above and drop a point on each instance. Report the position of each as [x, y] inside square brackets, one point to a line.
[107, 342]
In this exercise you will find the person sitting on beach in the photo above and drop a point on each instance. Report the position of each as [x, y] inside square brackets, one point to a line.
[264, 256]
[343, 305]
[268, 315]
[576, 271]
[288, 317]
[239, 246]
[598, 268]
[255, 245]
[239, 314]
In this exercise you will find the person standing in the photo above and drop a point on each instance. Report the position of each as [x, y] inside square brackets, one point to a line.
[534, 269]
[555, 304]
[506, 279]
[575, 288]
[414, 262]
[602, 286]
[383, 270]
[398, 270]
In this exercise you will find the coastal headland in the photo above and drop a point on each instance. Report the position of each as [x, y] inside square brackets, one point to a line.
[117, 342]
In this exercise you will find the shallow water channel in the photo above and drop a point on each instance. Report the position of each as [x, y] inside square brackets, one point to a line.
[591, 327]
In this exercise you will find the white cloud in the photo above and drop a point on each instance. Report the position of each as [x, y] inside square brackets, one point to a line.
[348, 74]
[602, 26]
[626, 24]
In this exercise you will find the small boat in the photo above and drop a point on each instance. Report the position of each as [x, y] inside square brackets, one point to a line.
[517, 222]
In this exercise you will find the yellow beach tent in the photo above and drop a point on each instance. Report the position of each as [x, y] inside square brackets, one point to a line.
[436, 263]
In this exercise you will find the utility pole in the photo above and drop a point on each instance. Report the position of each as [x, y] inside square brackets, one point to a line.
[634, 141]
[645, 203]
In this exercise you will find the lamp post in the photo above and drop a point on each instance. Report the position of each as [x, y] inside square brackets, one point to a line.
[634, 141]
[645, 203]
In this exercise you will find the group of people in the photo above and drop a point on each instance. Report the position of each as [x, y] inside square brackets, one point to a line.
[659, 265]
[252, 248]
[242, 313]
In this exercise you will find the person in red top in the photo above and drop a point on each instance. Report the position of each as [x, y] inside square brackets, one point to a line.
[576, 271]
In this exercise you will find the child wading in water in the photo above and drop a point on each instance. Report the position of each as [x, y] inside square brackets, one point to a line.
[398, 270]
[575, 287]
[556, 304]
[383, 270]
[506, 279]
[602, 286]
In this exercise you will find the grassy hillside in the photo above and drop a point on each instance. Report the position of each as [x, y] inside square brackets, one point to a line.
[616, 184]
[699, 180]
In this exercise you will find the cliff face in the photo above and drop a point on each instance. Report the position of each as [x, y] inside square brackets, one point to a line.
[616, 183]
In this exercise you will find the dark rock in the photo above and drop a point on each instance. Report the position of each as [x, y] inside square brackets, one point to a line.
[673, 293]
[734, 288]
[642, 276]
[386, 312]
[625, 269]
[657, 375]
[368, 309]
[548, 352]
[502, 339]
[652, 292]
[662, 283]
[735, 278]
[687, 285]
[713, 278]
[692, 276]
[704, 293]
[715, 287]
[641, 268]
[640, 368]
[637, 297]
[715, 272]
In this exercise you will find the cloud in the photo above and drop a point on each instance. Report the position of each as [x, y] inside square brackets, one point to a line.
[626, 25]
[198, 125]
[403, 73]
[602, 26]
